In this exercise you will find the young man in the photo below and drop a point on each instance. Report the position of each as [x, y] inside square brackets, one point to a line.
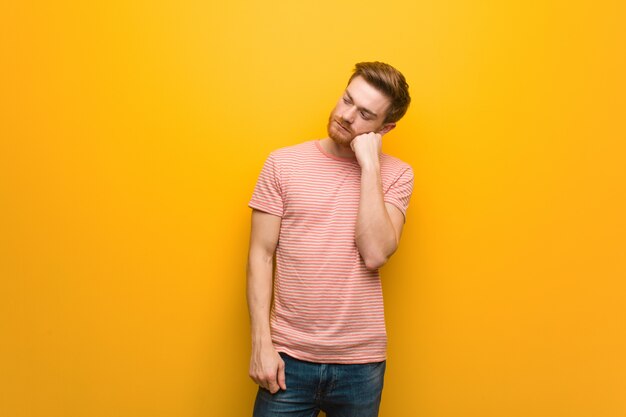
[329, 212]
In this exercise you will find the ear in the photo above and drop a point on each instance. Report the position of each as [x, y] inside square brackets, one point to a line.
[386, 128]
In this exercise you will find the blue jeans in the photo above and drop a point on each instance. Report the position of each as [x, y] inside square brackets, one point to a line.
[338, 390]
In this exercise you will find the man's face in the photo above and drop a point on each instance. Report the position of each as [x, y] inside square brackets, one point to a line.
[361, 109]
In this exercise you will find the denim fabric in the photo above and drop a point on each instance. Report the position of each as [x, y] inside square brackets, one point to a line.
[337, 389]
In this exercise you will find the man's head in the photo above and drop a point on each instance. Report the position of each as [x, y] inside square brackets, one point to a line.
[377, 96]
[388, 81]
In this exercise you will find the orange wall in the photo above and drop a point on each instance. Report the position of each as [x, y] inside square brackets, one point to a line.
[131, 137]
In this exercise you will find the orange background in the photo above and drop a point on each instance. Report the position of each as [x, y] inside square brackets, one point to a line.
[131, 137]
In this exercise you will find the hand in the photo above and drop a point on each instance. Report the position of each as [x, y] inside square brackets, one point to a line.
[367, 148]
[267, 369]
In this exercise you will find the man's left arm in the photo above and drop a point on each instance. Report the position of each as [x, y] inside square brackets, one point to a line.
[379, 224]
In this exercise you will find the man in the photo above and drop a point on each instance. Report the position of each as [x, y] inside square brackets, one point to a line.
[330, 213]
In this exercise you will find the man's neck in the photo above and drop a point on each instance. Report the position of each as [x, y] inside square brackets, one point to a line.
[335, 149]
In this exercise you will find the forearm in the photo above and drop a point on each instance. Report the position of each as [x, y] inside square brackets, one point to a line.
[375, 235]
[266, 367]
[259, 294]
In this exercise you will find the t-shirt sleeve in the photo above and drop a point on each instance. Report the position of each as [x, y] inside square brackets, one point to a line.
[399, 193]
[267, 195]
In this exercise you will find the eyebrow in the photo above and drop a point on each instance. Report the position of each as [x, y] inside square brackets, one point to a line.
[371, 113]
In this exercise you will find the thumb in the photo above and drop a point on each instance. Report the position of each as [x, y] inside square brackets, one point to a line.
[281, 375]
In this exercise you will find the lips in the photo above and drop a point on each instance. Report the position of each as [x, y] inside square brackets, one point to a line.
[342, 127]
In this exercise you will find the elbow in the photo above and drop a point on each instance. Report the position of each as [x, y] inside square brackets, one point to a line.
[374, 262]
[376, 258]
[376, 255]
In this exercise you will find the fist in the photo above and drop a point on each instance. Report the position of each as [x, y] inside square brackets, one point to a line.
[367, 148]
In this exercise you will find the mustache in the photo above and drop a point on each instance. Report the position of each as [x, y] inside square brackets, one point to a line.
[340, 121]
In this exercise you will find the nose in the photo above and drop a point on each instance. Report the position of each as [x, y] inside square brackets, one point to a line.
[349, 114]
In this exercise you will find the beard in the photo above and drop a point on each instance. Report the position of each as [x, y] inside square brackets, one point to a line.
[339, 135]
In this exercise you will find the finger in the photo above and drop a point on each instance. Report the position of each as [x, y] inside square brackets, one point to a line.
[270, 381]
[281, 375]
[272, 386]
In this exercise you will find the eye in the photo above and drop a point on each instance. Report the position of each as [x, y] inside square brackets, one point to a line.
[364, 115]
[346, 100]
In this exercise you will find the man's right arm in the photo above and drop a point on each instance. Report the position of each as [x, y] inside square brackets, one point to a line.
[266, 366]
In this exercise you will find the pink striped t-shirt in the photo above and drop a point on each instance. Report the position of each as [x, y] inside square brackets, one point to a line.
[328, 307]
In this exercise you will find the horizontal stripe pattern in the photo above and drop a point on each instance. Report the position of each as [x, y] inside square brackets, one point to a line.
[328, 306]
